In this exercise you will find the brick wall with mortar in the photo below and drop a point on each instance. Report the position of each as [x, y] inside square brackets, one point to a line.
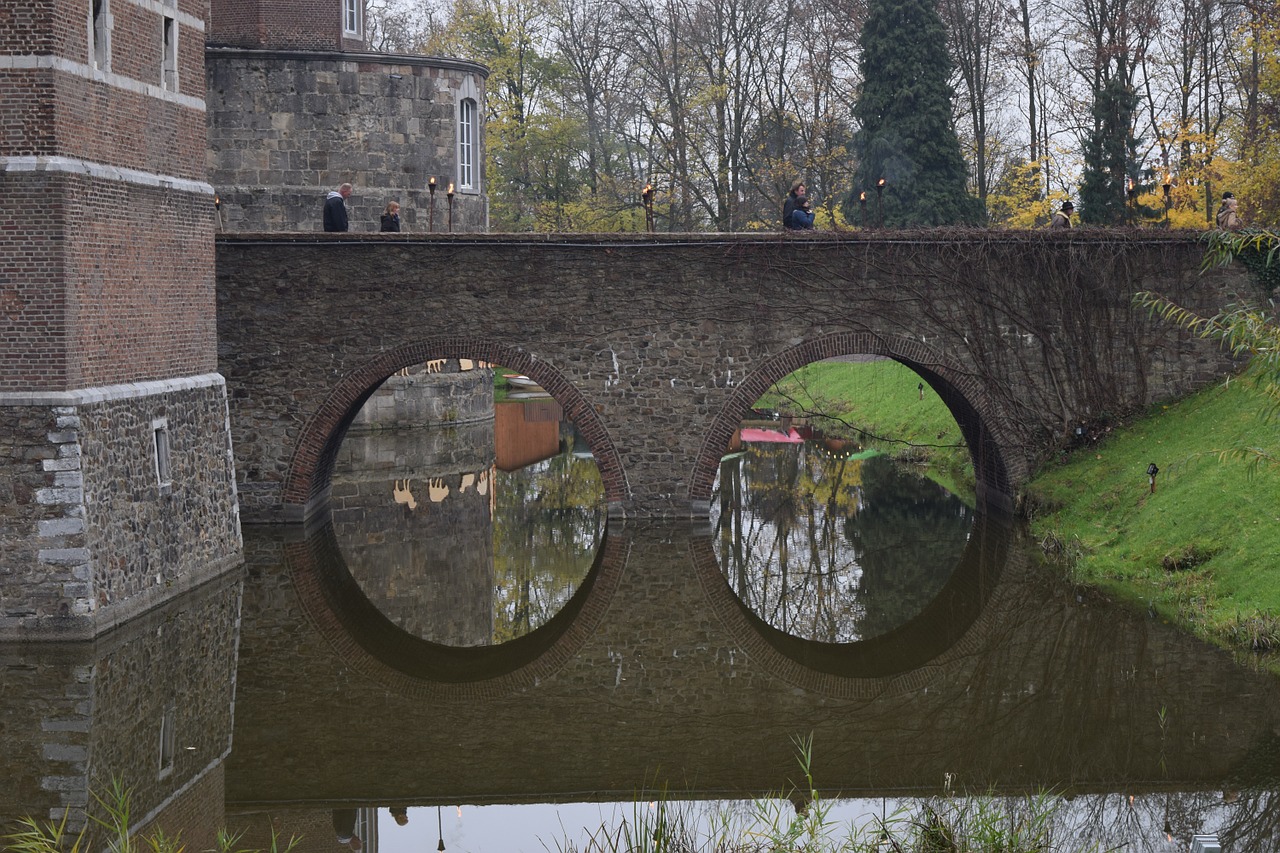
[285, 128]
[106, 286]
[104, 281]
[297, 24]
[656, 346]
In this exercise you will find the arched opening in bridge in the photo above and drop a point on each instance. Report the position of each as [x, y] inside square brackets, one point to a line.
[845, 500]
[467, 506]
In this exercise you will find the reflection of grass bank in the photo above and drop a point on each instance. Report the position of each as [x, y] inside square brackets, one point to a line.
[879, 404]
[1204, 549]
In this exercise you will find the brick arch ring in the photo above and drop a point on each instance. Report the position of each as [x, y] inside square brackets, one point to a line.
[310, 468]
[975, 412]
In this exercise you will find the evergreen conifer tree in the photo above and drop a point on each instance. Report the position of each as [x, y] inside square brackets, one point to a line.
[1110, 154]
[906, 134]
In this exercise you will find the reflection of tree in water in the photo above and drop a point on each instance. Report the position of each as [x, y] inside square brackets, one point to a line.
[1160, 823]
[548, 524]
[830, 548]
[908, 539]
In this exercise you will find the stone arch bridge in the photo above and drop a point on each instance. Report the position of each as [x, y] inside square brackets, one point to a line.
[657, 345]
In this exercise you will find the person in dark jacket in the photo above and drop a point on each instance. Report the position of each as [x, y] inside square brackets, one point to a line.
[793, 201]
[801, 218]
[335, 209]
[391, 217]
[1062, 219]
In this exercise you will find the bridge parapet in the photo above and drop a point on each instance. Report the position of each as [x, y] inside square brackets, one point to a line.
[656, 345]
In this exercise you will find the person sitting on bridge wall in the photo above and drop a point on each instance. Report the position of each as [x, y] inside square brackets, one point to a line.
[335, 208]
[801, 218]
[793, 201]
[1062, 219]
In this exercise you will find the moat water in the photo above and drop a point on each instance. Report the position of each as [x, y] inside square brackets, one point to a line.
[465, 637]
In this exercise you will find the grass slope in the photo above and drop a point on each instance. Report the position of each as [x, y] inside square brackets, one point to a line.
[882, 400]
[1204, 549]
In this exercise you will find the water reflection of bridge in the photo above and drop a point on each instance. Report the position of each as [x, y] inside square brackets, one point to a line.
[661, 676]
[657, 675]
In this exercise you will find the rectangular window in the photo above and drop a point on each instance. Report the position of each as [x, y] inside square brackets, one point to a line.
[168, 740]
[467, 144]
[160, 429]
[98, 52]
[351, 17]
[169, 61]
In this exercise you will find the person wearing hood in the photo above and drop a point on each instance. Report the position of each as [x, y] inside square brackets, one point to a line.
[335, 209]
[1062, 219]
[1229, 212]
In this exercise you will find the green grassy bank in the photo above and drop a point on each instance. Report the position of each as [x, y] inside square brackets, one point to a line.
[1203, 550]
[881, 404]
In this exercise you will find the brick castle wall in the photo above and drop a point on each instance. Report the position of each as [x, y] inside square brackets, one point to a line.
[105, 282]
[107, 300]
[293, 24]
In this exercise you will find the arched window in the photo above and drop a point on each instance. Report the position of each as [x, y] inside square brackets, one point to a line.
[468, 146]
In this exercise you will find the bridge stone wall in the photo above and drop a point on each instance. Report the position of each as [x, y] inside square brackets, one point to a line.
[657, 345]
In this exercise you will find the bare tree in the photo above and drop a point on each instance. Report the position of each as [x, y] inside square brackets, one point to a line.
[975, 29]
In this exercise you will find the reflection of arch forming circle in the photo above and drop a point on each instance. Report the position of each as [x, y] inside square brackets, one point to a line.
[307, 480]
[951, 628]
[968, 402]
[370, 643]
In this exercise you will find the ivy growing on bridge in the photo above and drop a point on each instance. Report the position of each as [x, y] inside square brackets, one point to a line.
[1257, 250]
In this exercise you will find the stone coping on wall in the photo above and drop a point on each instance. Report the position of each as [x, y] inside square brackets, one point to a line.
[388, 59]
[107, 393]
[932, 236]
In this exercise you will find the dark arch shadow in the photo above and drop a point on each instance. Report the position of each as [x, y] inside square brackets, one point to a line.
[307, 480]
[370, 643]
[952, 626]
[969, 404]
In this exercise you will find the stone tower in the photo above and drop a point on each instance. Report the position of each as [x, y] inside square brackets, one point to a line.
[298, 105]
[116, 481]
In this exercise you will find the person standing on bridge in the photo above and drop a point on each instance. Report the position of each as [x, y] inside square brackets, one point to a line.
[1062, 219]
[1229, 212]
[344, 827]
[335, 208]
[391, 217]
